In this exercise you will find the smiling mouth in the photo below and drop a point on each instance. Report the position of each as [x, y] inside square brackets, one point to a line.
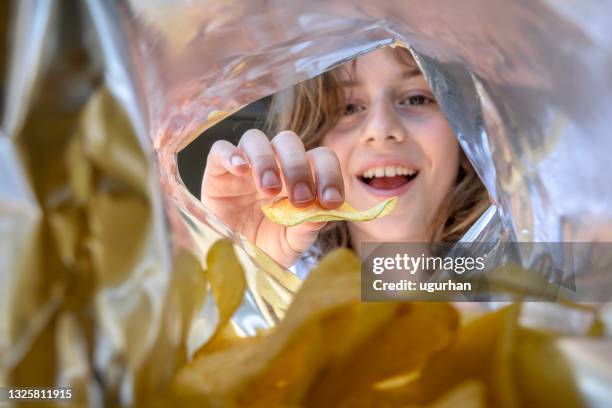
[389, 179]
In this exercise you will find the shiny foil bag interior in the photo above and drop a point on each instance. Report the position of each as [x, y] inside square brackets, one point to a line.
[102, 247]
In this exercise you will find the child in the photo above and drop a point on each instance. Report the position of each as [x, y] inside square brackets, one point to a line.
[368, 130]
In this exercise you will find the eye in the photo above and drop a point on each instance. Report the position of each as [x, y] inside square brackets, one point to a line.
[352, 108]
[417, 100]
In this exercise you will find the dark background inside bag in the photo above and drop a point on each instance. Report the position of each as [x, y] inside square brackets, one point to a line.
[192, 159]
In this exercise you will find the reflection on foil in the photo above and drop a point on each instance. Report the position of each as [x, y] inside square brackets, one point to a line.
[101, 245]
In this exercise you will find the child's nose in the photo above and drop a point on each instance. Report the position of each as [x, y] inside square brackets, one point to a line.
[382, 125]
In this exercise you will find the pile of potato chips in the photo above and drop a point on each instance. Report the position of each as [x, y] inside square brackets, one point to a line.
[331, 349]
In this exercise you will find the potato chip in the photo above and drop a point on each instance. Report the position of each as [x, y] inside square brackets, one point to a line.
[479, 352]
[226, 278]
[518, 366]
[282, 212]
[544, 377]
[398, 345]
[470, 394]
[227, 282]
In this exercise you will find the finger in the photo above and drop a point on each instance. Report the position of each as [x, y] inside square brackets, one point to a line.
[295, 167]
[301, 237]
[258, 150]
[225, 157]
[328, 175]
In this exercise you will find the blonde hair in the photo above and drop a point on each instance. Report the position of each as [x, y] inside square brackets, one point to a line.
[313, 107]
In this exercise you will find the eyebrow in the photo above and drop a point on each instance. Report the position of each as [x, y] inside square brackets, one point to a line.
[406, 74]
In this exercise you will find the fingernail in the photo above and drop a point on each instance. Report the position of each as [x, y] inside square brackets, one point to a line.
[237, 160]
[301, 192]
[331, 194]
[269, 179]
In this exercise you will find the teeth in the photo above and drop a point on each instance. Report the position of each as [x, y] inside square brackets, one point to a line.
[390, 171]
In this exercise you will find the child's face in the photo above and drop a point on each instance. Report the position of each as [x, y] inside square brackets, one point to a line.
[392, 122]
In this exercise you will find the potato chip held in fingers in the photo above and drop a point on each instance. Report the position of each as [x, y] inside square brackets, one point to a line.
[282, 212]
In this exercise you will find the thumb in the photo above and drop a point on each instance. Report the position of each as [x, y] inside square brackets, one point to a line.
[301, 237]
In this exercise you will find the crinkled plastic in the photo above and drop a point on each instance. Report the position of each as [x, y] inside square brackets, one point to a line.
[101, 246]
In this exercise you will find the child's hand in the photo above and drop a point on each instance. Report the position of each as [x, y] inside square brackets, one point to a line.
[238, 181]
